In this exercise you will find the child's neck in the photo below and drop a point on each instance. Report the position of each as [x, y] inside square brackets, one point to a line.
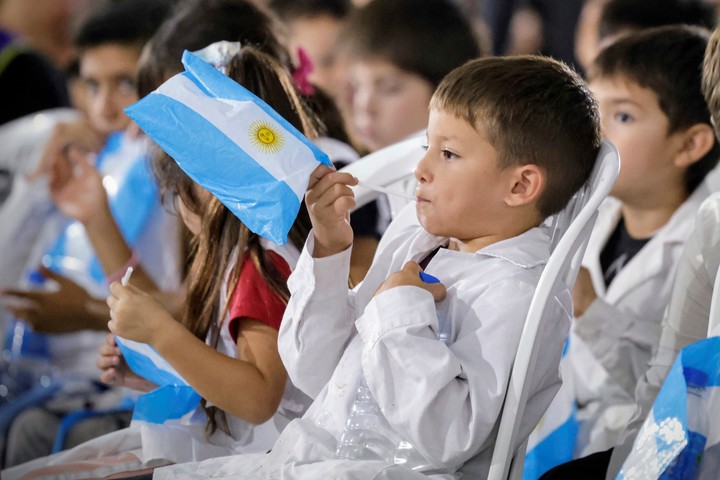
[642, 221]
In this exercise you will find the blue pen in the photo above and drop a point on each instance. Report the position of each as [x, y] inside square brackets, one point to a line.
[427, 278]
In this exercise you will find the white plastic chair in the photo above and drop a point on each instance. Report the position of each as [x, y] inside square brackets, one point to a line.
[571, 230]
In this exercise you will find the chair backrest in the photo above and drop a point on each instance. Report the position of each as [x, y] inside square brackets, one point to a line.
[390, 167]
[571, 230]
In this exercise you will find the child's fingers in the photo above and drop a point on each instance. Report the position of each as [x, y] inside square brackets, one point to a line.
[110, 341]
[112, 325]
[437, 290]
[107, 361]
[117, 289]
[328, 182]
[107, 350]
[109, 376]
[112, 302]
[317, 174]
[412, 267]
[338, 199]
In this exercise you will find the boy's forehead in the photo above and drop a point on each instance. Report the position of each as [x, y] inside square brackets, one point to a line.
[130, 54]
[478, 125]
[622, 85]
[109, 60]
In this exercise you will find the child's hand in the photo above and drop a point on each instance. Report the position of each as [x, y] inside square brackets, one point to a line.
[329, 200]
[114, 369]
[61, 310]
[76, 187]
[583, 293]
[78, 135]
[135, 315]
[410, 275]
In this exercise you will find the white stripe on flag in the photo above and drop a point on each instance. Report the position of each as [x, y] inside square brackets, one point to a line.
[294, 169]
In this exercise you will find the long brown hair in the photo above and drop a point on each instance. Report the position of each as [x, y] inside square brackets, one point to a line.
[222, 233]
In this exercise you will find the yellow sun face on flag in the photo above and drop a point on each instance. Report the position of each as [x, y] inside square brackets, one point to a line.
[266, 137]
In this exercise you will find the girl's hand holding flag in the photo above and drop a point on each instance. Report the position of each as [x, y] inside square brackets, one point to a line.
[136, 315]
[115, 370]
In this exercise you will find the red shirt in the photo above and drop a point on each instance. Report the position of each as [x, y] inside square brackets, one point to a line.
[253, 298]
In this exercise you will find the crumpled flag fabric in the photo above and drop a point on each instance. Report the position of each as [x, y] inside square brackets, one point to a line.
[233, 144]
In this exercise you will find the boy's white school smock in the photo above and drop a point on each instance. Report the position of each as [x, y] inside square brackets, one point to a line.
[686, 319]
[445, 400]
[614, 339]
[183, 440]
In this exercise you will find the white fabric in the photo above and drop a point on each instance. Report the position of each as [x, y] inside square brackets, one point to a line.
[686, 319]
[612, 342]
[445, 400]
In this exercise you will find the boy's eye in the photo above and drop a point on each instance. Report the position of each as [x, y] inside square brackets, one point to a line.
[425, 147]
[92, 86]
[126, 86]
[623, 117]
[448, 154]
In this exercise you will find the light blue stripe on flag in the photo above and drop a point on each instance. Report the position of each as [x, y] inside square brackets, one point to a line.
[146, 362]
[173, 399]
[233, 144]
[171, 402]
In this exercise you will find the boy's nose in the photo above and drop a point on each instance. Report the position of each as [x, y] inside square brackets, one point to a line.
[422, 173]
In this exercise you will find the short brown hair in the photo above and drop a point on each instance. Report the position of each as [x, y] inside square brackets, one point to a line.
[534, 110]
[427, 38]
[665, 60]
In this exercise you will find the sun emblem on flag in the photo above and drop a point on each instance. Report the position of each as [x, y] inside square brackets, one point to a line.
[266, 137]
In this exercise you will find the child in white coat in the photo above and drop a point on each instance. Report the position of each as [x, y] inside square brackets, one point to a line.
[486, 183]
[653, 110]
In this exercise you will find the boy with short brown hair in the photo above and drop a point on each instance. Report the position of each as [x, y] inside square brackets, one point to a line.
[488, 180]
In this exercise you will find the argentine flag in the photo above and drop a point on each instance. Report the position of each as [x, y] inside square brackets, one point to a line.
[233, 144]
[665, 433]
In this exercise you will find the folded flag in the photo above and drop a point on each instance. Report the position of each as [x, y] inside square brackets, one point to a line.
[665, 433]
[233, 144]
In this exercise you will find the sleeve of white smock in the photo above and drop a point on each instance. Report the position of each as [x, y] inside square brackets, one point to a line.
[620, 341]
[445, 400]
[318, 320]
[686, 318]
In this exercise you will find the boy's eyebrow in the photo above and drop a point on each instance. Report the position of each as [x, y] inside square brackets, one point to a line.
[624, 100]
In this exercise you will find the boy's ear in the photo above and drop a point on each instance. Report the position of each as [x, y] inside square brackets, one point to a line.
[697, 141]
[528, 184]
